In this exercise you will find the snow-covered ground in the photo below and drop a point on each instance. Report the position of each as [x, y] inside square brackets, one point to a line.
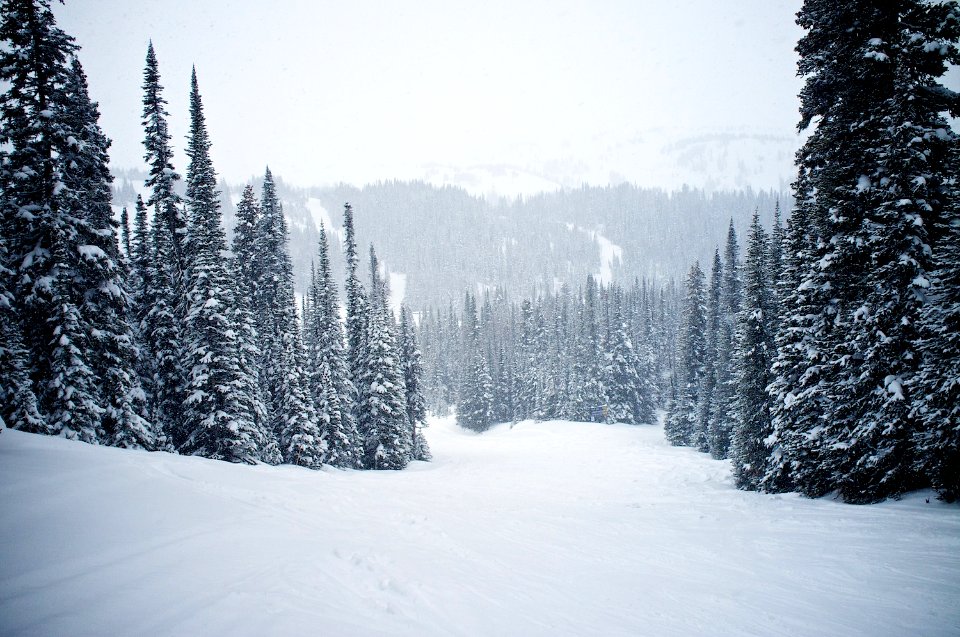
[550, 528]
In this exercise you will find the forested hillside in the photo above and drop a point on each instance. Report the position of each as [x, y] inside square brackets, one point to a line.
[445, 241]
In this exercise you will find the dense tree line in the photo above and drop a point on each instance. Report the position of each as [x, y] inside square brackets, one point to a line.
[844, 353]
[160, 338]
[601, 353]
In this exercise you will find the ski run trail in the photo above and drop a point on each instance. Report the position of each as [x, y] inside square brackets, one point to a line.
[549, 528]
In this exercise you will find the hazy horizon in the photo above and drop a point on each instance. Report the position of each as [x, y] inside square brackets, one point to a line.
[524, 96]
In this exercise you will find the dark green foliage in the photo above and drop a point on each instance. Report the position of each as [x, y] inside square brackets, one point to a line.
[413, 380]
[874, 179]
[330, 384]
[383, 422]
[701, 436]
[68, 351]
[753, 354]
[681, 421]
[720, 424]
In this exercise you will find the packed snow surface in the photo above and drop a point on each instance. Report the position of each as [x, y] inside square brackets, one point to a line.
[550, 528]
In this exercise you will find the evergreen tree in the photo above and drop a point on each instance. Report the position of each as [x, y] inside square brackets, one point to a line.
[749, 443]
[63, 296]
[933, 178]
[938, 441]
[475, 408]
[162, 178]
[125, 241]
[681, 419]
[705, 406]
[33, 69]
[413, 382]
[798, 403]
[875, 177]
[99, 280]
[382, 421]
[721, 405]
[329, 375]
[527, 376]
[217, 419]
[160, 328]
[776, 261]
[588, 395]
[503, 400]
[291, 409]
[244, 266]
[628, 391]
[356, 321]
[162, 336]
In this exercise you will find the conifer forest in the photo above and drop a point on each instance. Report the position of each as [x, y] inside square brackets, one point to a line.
[807, 337]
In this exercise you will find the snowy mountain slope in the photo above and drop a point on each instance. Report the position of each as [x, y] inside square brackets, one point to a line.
[548, 528]
[670, 158]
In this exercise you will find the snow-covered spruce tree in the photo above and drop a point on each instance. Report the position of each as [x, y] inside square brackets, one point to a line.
[588, 393]
[356, 318]
[939, 381]
[382, 421]
[665, 330]
[681, 419]
[245, 246]
[18, 402]
[798, 400]
[503, 388]
[140, 258]
[749, 448]
[629, 397]
[413, 381]
[721, 405]
[245, 270]
[217, 423]
[100, 274]
[529, 358]
[557, 363]
[475, 407]
[33, 68]
[292, 414]
[330, 383]
[159, 156]
[708, 381]
[776, 261]
[60, 258]
[125, 241]
[874, 173]
[160, 328]
[643, 340]
[932, 176]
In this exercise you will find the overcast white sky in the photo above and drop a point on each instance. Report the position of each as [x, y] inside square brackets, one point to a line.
[377, 89]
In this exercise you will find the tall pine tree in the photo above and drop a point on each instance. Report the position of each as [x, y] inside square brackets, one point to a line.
[217, 419]
[752, 426]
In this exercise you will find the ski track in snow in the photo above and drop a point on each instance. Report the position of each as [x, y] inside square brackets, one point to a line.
[549, 528]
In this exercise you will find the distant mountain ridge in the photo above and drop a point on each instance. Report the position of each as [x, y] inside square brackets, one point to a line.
[708, 160]
[443, 240]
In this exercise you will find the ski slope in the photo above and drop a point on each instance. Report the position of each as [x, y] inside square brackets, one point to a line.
[550, 528]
